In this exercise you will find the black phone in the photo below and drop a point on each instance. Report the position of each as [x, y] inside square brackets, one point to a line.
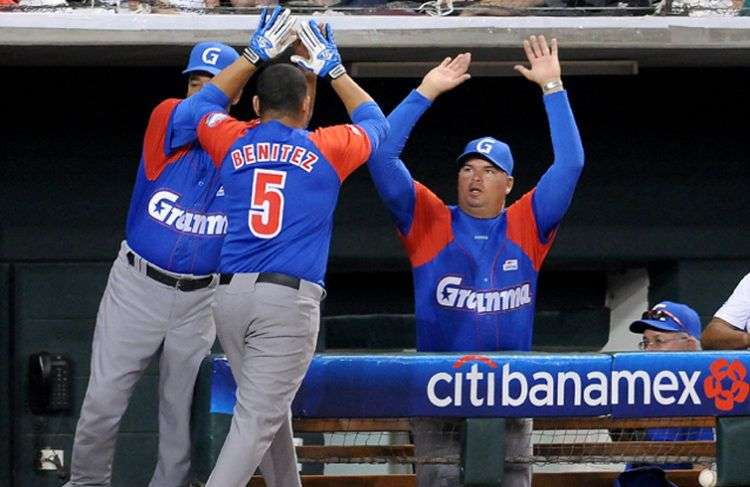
[49, 383]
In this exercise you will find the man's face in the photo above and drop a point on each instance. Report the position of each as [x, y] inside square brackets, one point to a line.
[665, 341]
[196, 82]
[482, 188]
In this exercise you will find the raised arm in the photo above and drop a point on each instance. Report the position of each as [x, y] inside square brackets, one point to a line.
[391, 177]
[554, 191]
[325, 61]
[274, 34]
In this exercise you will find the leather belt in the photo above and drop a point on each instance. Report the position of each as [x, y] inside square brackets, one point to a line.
[270, 277]
[186, 284]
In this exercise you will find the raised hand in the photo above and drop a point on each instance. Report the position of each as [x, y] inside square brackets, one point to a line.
[324, 58]
[545, 65]
[445, 76]
[274, 34]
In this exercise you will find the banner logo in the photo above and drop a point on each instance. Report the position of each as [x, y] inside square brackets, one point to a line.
[733, 376]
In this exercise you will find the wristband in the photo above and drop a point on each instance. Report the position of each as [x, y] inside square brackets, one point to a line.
[251, 56]
[336, 72]
[552, 86]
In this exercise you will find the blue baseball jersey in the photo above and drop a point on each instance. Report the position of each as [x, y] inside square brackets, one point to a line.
[282, 184]
[475, 280]
[177, 218]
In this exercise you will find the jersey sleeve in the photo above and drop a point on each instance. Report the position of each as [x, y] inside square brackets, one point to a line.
[430, 229]
[346, 147]
[157, 151]
[524, 232]
[190, 111]
[736, 310]
[555, 189]
[217, 131]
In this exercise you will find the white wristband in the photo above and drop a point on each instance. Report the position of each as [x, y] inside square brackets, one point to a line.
[552, 86]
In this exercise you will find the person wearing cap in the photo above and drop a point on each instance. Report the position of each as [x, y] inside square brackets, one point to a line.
[157, 300]
[667, 327]
[475, 264]
[670, 327]
[729, 329]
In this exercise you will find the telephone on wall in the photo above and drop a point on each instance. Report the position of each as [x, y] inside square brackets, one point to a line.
[49, 383]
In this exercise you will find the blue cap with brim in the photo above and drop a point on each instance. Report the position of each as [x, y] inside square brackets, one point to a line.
[673, 317]
[211, 57]
[489, 149]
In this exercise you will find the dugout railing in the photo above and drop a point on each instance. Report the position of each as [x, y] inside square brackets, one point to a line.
[585, 437]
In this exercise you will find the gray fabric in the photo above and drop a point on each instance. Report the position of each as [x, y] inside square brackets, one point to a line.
[268, 332]
[137, 318]
[442, 437]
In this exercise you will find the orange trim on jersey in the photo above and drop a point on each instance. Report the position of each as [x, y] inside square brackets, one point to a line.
[217, 132]
[430, 229]
[154, 157]
[523, 231]
[346, 147]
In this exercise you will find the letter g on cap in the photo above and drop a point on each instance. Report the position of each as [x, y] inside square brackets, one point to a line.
[484, 146]
[211, 55]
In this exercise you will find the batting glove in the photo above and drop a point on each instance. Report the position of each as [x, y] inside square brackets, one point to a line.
[274, 34]
[325, 60]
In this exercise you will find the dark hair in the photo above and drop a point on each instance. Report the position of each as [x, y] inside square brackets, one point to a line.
[281, 88]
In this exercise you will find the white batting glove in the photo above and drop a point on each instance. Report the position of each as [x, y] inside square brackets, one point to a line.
[325, 60]
[275, 33]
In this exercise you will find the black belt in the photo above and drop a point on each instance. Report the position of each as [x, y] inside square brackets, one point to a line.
[186, 284]
[270, 277]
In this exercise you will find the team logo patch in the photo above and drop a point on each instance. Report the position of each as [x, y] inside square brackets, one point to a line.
[215, 118]
[220, 192]
[510, 265]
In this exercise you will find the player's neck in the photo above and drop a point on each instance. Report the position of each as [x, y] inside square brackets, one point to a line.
[482, 213]
[289, 121]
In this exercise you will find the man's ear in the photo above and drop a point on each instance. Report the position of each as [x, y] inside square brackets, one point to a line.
[236, 99]
[256, 105]
[307, 109]
[509, 186]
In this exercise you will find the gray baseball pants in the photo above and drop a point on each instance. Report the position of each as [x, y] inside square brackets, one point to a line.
[139, 317]
[441, 437]
[268, 332]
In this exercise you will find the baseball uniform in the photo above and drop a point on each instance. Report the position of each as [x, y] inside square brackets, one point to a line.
[475, 279]
[158, 296]
[281, 187]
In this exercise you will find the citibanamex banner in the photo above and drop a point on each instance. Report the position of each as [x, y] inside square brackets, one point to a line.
[646, 384]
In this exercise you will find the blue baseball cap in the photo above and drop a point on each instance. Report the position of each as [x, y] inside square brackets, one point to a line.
[669, 316]
[211, 56]
[489, 149]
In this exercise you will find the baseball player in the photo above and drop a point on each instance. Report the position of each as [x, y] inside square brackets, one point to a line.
[157, 299]
[729, 328]
[281, 183]
[475, 265]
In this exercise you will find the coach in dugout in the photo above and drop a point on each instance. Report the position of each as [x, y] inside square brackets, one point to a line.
[671, 327]
[728, 329]
[475, 265]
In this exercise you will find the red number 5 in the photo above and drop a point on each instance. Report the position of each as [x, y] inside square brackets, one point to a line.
[267, 206]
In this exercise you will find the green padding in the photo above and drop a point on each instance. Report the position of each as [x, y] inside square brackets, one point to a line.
[208, 430]
[732, 447]
[483, 452]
